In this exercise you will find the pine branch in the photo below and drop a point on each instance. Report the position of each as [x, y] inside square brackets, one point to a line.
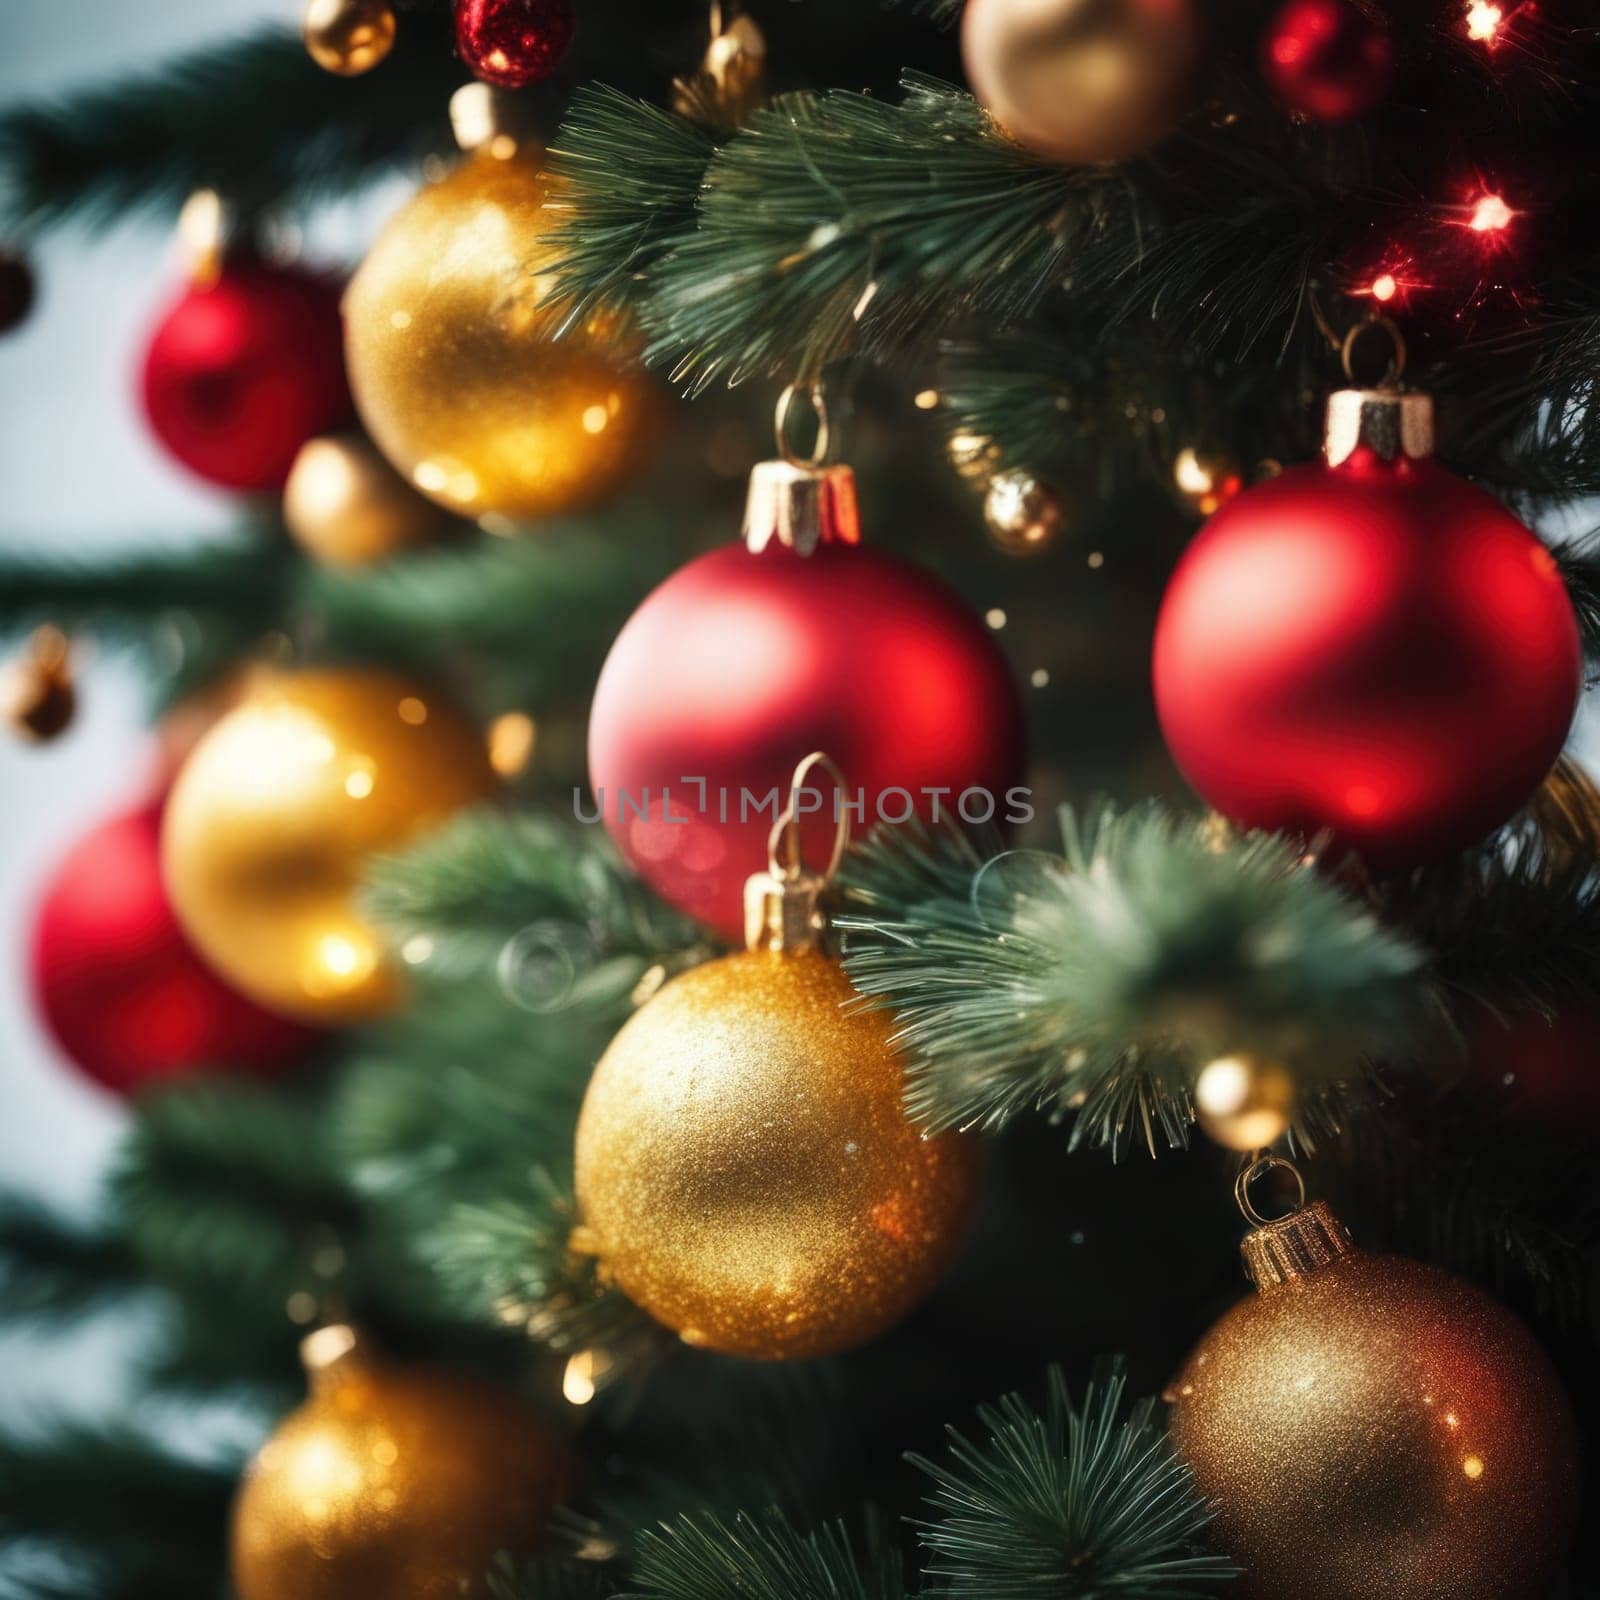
[548, 907]
[252, 118]
[1083, 1502]
[55, 1269]
[1099, 983]
[552, 1579]
[761, 1557]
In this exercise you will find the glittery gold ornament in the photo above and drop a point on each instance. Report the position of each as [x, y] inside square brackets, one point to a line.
[454, 362]
[1366, 1425]
[1023, 514]
[1205, 481]
[1085, 81]
[732, 80]
[348, 37]
[276, 812]
[37, 696]
[345, 505]
[746, 1172]
[392, 1481]
[1244, 1102]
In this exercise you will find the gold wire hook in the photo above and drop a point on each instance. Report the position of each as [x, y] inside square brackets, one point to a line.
[824, 437]
[1376, 323]
[1259, 1166]
[783, 843]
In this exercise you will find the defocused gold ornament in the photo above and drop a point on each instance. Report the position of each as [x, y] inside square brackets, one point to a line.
[1085, 81]
[732, 80]
[345, 505]
[276, 813]
[1243, 1102]
[1205, 482]
[746, 1172]
[512, 737]
[1023, 515]
[1366, 1425]
[453, 355]
[37, 696]
[393, 1481]
[348, 37]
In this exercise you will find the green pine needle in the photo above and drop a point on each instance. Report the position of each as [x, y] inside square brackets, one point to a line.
[1099, 982]
[1076, 1504]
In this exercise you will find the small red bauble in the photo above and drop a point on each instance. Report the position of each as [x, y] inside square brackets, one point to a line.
[748, 659]
[242, 371]
[512, 43]
[1325, 60]
[123, 991]
[1548, 1070]
[1372, 647]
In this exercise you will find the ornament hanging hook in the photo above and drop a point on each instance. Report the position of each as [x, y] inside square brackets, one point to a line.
[784, 860]
[1376, 323]
[824, 434]
[1259, 1166]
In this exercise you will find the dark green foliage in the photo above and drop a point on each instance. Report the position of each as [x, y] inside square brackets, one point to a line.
[1099, 983]
[1074, 1502]
[55, 1268]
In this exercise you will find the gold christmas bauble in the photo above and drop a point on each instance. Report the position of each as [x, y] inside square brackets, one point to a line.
[746, 1172]
[346, 506]
[276, 812]
[1366, 1425]
[454, 361]
[348, 37]
[397, 1482]
[1023, 514]
[1244, 1102]
[1205, 481]
[1085, 81]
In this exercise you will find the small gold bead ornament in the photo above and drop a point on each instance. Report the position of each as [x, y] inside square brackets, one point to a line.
[1244, 1102]
[1023, 514]
[38, 697]
[348, 37]
[746, 1172]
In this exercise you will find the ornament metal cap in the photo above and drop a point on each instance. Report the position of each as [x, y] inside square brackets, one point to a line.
[1295, 1246]
[485, 118]
[329, 1351]
[1394, 424]
[798, 501]
[783, 905]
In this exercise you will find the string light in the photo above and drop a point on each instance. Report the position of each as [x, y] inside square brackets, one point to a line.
[1490, 214]
[1384, 288]
[1484, 20]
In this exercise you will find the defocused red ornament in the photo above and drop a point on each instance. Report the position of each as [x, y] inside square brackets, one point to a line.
[512, 43]
[1549, 1071]
[1370, 646]
[749, 658]
[1325, 60]
[125, 994]
[244, 369]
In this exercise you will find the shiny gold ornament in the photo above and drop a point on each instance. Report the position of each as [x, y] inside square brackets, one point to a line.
[1366, 1425]
[746, 1172]
[345, 505]
[396, 1482]
[1084, 81]
[348, 37]
[454, 361]
[1243, 1102]
[37, 696]
[732, 80]
[277, 810]
[1023, 515]
[1205, 482]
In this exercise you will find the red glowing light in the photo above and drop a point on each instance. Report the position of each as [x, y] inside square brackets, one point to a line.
[1484, 20]
[1384, 287]
[1490, 214]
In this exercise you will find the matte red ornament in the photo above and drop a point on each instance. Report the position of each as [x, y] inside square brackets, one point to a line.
[512, 43]
[749, 658]
[1371, 646]
[1324, 59]
[126, 996]
[242, 371]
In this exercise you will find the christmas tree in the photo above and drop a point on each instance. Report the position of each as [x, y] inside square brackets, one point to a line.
[699, 1010]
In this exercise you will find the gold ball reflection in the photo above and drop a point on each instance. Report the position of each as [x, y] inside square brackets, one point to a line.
[392, 1481]
[1380, 1428]
[454, 361]
[746, 1172]
[346, 506]
[278, 809]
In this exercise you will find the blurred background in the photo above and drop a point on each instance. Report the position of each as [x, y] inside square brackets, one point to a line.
[81, 473]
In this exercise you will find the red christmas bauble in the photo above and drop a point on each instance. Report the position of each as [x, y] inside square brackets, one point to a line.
[242, 372]
[512, 43]
[1325, 60]
[1548, 1070]
[742, 663]
[1376, 648]
[123, 991]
